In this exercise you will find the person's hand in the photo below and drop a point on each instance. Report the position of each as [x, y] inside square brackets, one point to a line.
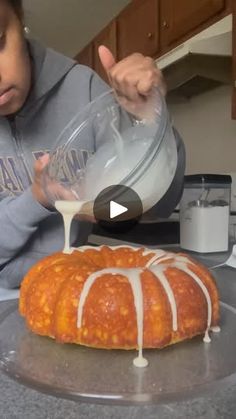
[133, 78]
[56, 190]
[36, 187]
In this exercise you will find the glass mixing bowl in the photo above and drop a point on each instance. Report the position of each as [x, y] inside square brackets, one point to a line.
[114, 142]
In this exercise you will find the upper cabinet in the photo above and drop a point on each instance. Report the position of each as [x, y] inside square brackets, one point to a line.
[138, 28]
[153, 27]
[108, 38]
[182, 17]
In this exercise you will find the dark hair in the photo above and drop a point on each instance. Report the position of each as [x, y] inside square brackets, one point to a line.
[18, 7]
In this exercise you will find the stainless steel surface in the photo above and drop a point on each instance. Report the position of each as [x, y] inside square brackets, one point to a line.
[69, 371]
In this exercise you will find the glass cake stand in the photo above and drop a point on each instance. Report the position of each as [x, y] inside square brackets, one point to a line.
[70, 371]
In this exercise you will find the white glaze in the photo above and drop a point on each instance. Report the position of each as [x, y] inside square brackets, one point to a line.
[134, 279]
[83, 248]
[160, 275]
[205, 292]
[183, 259]
[215, 329]
[207, 338]
[84, 294]
[140, 362]
[157, 252]
[155, 260]
[118, 141]
[67, 219]
[68, 209]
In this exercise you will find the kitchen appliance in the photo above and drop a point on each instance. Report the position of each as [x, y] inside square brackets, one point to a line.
[204, 213]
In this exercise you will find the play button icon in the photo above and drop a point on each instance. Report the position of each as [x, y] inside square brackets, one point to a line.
[117, 208]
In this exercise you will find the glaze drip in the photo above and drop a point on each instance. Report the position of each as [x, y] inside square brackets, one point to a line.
[134, 279]
[160, 275]
[158, 269]
[68, 210]
[205, 292]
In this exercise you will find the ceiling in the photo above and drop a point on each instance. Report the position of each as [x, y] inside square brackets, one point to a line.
[68, 25]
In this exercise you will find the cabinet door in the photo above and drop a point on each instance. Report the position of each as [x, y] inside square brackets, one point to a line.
[138, 28]
[85, 56]
[182, 17]
[108, 38]
[234, 62]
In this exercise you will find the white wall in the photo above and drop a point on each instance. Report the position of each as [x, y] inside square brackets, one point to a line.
[68, 25]
[207, 129]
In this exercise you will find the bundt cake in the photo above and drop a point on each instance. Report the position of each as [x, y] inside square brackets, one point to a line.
[120, 298]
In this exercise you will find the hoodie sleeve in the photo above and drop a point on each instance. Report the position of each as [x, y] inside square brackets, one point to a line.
[19, 218]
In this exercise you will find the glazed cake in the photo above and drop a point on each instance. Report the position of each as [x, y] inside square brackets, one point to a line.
[120, 298]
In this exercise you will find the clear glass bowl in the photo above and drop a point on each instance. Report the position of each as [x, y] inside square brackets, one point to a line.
[114, 143]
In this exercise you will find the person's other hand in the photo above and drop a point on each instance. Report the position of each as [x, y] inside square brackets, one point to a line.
[36, 187]
[56, 190]
[133, 78]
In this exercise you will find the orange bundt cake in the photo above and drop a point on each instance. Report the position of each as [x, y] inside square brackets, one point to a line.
[119, 298]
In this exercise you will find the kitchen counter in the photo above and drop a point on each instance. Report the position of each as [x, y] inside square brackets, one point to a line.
[19, 402]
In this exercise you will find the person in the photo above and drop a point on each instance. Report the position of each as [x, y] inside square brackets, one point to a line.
[40, 91]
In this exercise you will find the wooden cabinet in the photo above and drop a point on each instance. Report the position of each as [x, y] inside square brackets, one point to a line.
[85, 56]
[138, 28]
[108, 38]
[234, 62]
[182, 17]
[152, 27]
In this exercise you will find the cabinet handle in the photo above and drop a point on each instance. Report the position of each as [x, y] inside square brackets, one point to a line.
[150, 35]
[165, 24]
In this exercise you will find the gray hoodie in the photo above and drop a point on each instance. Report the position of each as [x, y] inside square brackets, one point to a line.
[28, 231]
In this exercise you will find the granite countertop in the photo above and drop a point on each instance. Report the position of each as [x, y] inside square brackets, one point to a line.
[19, 402]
